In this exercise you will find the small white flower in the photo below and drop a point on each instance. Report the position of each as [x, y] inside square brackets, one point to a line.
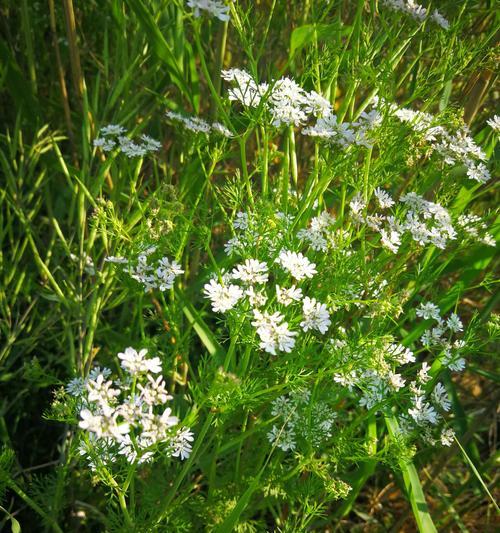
[113, 129]
[454, 323]
[256, 298]
[391, 240]
[423, 373]
[296, 264]
[182, 444]
[288, 296]
[116, 259]
[401, 354]
[440, 20]
[478, 171]
[441, 397]
[150, 144]
[166, 273]
[315, 239]
[489, 240]
[154, 392]
[428, 310]
[453, 362]
[348, 380]
[128, 450]
[396, 381]
[135, 362]
[233, 245]
[89, 421]
[106, 144]
[422, 412]
[494, 123]
[273, 332]
[101, 391]
[223, 297]
[252, 271]
[383, 198]
[215, 8]
[357, 205]
[447, 437]
[103, 425]
[247, 91]
[241, 221]
[316, 315]
[131, 149]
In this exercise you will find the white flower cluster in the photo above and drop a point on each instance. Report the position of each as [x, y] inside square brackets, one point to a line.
[152, 274]
[114, 136]
[272, 304]
[426, 222]
[475, 227]
[215, 8]
[372, 370]
[345, 134]
[371, 367]
[424, 414]
[297, 421]
[453, 147]
[286, 102]
[494, 123]
[417, 11]
[319, 232]
[128, 417]
[198, 125]
[440, 335]
[274, 334]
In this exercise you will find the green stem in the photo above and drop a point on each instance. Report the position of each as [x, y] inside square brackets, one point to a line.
[285, 175]
[245, 360]
[123, 507]
[221, 52]
[293, 156]
[164, 506]
[29, 501]
[265, 161]
[246, 177]
[240, 447]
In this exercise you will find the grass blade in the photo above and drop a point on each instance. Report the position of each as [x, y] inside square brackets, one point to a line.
[413, 488]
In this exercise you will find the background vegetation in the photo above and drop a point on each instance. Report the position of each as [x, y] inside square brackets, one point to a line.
[66, 70]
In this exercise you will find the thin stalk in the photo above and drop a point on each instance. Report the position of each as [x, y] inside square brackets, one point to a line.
[343, 194]
[221, 52]
[246, 177]
[30, 54]
[31, 503]
[285, 171]
[293, 156]
[240, 447]
[265, 161]
[164, 506]
[366, 175]
[74, 53]
[241, 139]
[245, 360]
[123, 507]
[62, 81]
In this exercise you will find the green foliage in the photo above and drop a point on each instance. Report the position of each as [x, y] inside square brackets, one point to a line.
[67, 205]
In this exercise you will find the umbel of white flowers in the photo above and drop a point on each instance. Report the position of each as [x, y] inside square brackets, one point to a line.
[129, 417]
[247, 283]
